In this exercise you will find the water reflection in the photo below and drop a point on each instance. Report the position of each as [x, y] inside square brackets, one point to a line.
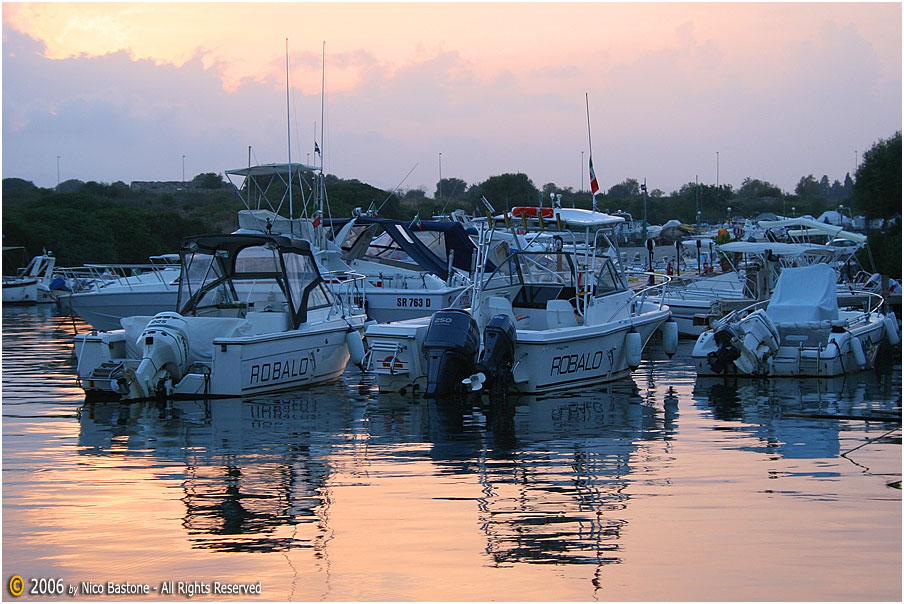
[251, 467]
[805, 418]
[555, 473]
[552, 470]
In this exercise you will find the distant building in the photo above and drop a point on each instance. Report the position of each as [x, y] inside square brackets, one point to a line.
[163, 186]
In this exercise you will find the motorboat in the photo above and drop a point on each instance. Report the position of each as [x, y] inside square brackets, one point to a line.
[411, 268]
[103, 294]
[802, 330]
[753, 267]
[36, 283]
[253, 315]
[541, 321]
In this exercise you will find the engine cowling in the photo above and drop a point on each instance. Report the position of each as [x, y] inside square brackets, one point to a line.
[451, 345]
[164, 350]
[498, 356]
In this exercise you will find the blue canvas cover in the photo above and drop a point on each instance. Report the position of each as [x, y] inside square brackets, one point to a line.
[402, 233]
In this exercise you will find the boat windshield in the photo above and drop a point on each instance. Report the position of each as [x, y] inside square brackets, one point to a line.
[252, 277]
[609, 279]
[533, 268]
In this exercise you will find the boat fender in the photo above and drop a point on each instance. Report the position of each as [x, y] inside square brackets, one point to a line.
[670, 337]
[857, 349]
[891, 330]
[355, 347]
[633, 348]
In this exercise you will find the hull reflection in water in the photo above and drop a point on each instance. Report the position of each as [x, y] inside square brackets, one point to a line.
[802, 418]
[253, 467]
[555, 478]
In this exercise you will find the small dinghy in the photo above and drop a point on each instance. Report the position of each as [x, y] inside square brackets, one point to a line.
[800, 331]
[254, 315]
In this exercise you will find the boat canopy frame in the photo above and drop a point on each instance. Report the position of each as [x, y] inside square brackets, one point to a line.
[210, 264]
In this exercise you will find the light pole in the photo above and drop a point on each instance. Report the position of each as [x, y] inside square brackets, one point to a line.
[440, 174]
[697, 200]
[717, 169]
[582, 171]
[58, 171]
[183, 168]
[643, 189]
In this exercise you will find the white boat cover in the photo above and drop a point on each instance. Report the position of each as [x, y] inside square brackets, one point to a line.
[810, 224]
[579, 218]
[272, 170]
[777, 248]
[255, 221]
[201, 333]
[804, 295]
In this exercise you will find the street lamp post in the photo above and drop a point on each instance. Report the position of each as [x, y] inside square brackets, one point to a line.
[441, 175]
[697, 200]
[183, 168]
[643, 189]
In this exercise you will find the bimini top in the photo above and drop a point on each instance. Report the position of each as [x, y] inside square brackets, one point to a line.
[813, 227]
[209, 244]
[271, 169]
[573, 218]
[779, 249]
[405, 234]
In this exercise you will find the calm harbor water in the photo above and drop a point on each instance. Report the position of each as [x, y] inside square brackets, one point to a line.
[658, 487]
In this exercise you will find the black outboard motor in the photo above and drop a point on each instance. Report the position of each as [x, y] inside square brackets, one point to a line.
[722, 358]
[451, 345]
[498, 354]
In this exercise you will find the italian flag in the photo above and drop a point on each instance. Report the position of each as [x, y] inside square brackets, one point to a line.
[594, 185]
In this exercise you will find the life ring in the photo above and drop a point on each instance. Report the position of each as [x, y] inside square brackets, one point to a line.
[738, 232]
[532, 212]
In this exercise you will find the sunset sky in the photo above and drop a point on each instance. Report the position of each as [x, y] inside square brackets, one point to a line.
[123, 91]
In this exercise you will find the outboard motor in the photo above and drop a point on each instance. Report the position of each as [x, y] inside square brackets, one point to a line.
[451, 345]
[498, 354]
[164, 356]
[726, 354]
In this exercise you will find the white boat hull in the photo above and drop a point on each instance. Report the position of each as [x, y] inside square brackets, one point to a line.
[239, 366]
[388, 305]
[545, 360]
[579, 356]
[795, 357]
[20, 292]
[103, 310]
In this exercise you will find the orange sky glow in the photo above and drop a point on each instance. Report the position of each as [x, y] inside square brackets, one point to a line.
[515, 73]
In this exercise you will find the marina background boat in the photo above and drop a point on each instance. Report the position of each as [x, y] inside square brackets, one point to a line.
[656, 487]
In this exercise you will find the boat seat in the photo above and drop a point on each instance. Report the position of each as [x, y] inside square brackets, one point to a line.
[497, 305]
[560, 313]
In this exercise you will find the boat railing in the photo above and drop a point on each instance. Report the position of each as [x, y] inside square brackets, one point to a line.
[655, 291]
[348, 287]
[94, 277]
[871, 303]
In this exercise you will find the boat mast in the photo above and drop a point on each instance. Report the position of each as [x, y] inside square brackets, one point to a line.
[289, 131]
[321, 191]
[590, 145]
